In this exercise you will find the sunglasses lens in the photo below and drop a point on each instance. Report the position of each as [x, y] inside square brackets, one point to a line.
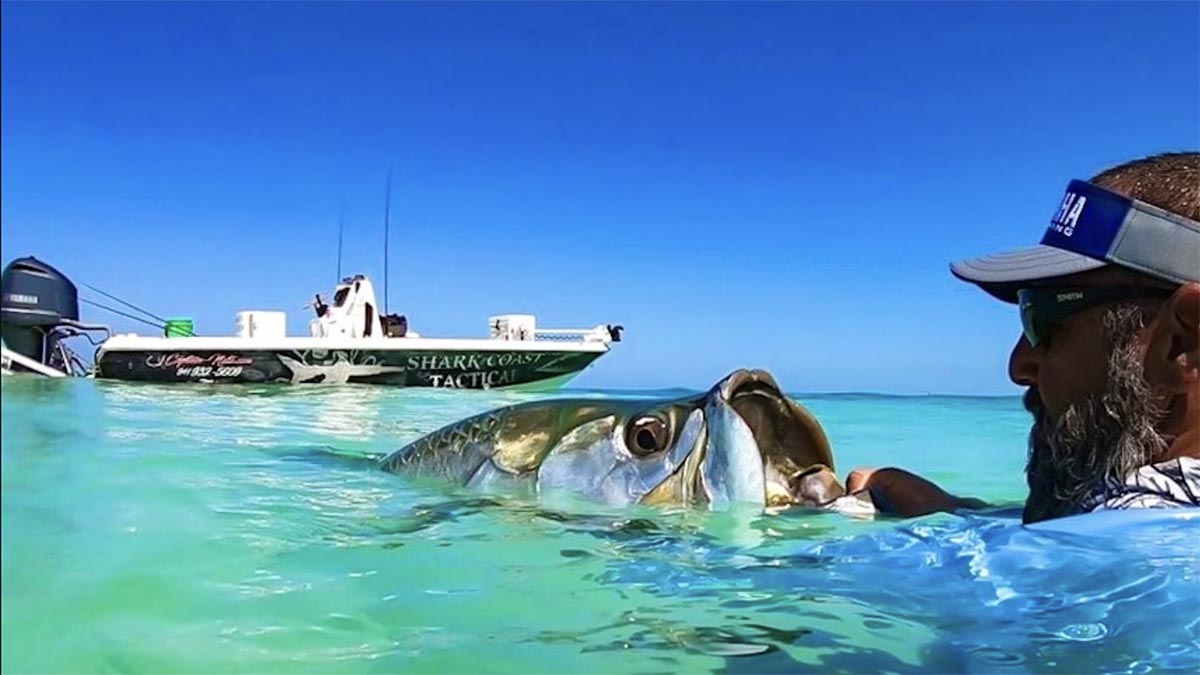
[1029, 321]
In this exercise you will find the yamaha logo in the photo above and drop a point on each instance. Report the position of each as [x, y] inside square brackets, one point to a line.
[1069, 211]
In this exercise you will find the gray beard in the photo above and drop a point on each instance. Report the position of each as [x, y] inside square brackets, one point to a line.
[1107, 436]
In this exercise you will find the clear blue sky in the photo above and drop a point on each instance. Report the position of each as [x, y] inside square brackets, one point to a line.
[776, 185]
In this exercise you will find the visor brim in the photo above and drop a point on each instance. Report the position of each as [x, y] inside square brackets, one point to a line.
[1003, 274]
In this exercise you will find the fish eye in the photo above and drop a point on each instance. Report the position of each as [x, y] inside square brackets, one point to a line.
[648, 435]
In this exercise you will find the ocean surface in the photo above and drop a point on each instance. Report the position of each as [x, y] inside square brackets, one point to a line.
[209, 529]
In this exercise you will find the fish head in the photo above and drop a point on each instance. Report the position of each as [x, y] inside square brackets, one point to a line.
[758, 446]
[743, 441]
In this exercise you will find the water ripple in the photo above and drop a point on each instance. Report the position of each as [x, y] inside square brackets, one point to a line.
[211, 529]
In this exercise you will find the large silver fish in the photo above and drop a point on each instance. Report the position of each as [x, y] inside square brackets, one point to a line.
[742, 442]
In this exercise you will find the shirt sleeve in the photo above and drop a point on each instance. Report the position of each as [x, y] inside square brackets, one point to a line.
[1170, 484]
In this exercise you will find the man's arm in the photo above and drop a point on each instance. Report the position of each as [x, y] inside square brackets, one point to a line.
[897, 492]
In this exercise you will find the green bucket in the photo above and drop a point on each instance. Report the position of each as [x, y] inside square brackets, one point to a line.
[179, 328]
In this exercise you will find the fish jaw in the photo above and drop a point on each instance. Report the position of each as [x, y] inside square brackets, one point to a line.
[732, 471]
[759, 442]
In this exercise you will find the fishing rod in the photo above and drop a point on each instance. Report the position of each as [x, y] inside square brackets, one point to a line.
[341, 230]
[387, 212]
[93, 303]
[127, 304]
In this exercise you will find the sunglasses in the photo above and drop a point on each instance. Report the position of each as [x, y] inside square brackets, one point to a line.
[1044, 308]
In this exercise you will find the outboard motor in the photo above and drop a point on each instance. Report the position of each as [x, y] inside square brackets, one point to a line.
[39, 307]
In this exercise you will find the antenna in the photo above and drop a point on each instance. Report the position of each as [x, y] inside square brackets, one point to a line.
[341, 229]
[387, 212]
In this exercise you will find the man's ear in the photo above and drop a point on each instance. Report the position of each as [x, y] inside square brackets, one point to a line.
[1173, 351]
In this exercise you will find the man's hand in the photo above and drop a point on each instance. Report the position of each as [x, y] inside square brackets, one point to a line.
[897, 492]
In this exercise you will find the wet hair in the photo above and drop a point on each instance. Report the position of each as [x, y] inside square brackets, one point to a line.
[1169, 181]
[1106, 437]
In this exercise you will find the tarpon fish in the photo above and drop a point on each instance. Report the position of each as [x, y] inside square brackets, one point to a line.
[743, 441]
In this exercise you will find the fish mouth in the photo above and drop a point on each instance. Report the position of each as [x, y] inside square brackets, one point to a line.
[796, 459]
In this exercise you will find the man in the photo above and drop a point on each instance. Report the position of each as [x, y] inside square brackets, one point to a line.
[1110, 353]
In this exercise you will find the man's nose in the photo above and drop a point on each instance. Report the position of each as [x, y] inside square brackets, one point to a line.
[1023, 364]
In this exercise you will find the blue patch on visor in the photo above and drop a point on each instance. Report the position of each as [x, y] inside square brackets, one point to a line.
[1088, 220]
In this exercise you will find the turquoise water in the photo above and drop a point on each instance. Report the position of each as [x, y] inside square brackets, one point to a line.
[206, 529]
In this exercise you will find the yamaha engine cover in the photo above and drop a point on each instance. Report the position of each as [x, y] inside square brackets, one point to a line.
[34, 298]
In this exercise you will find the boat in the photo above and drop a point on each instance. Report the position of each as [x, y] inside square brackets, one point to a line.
[349, 341]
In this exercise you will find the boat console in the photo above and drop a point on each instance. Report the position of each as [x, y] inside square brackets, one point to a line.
[355, 314]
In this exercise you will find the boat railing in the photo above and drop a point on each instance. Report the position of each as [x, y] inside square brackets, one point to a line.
[604, 334]
[9, 358]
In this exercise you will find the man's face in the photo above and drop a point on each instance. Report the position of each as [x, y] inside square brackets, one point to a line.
[1095, 417]
[1069, 364]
